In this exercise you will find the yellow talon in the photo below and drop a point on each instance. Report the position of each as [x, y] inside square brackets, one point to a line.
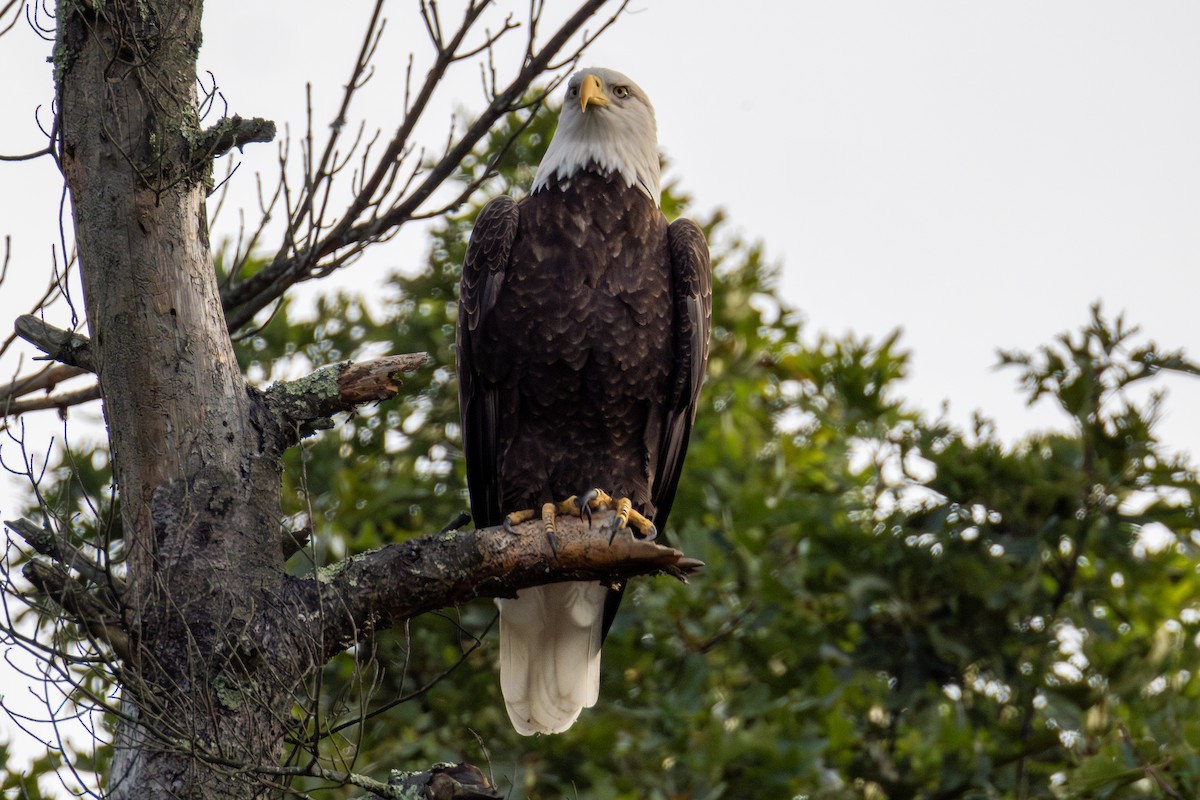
[517, 517]
[624, 509]
[643, 525]
[582, 507]
[626, 517]
[571, 506]
[548, 510]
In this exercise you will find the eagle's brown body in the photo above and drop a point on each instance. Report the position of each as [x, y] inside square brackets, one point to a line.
[577, 347]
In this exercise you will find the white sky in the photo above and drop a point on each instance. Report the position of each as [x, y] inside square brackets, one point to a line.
[974, 173]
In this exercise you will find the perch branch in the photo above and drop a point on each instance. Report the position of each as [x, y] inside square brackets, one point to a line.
[382, 588]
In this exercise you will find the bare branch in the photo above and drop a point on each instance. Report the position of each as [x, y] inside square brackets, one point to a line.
[365, 221]
[66, 347]
[45, 380]
[46, 543]
[340, 387]
[232, 132]
[358, 77]
[10, 6]
[377, 379]
[45, 151]
[61, 401]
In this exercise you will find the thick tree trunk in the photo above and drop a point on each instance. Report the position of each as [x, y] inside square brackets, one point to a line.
[193, 455]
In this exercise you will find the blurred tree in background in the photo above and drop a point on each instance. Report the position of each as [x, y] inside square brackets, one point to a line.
[891, 608]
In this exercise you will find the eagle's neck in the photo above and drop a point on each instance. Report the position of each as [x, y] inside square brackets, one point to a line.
[629, 150]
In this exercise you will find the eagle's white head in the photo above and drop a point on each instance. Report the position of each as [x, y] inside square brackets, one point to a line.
[606, 120]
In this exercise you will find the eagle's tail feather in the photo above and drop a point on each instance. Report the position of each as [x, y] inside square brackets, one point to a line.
[550, 654]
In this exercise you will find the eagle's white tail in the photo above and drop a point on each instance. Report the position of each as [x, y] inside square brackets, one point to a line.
[550, 654]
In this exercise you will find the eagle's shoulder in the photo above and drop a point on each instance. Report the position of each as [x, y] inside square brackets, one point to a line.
[488, 253]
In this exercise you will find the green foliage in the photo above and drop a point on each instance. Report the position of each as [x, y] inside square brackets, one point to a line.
[891, 607]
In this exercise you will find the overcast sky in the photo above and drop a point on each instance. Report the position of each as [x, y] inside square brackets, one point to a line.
[974, 173]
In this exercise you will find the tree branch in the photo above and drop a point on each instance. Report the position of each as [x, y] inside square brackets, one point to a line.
[63, 346]
[46, 543]
[72, 350]
[305, 402]
[231, 132]
[60, 401]
[375, 380]
[440, 782]
[384, 587]
[44, 380]
[102, 623]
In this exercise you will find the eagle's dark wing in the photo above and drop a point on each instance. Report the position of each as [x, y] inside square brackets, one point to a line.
[478, 399]
[691, 290]
[691, 297]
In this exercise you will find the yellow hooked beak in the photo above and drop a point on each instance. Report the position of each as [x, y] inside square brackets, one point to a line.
[591, 93]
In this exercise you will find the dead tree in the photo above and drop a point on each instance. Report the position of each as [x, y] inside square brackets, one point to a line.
[192, 614]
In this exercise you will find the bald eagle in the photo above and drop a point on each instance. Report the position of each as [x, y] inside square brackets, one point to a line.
[582, 339]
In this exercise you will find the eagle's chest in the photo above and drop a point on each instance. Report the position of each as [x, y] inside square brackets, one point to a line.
[587, 293]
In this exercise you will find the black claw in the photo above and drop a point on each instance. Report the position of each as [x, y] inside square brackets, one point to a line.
[553, 543]
[651, 533]
[462, 519]
[508, 528]
[617, 527]
[585, 504]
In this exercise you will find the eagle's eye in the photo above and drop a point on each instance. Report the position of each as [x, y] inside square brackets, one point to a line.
[572, 91]
[620, 91]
